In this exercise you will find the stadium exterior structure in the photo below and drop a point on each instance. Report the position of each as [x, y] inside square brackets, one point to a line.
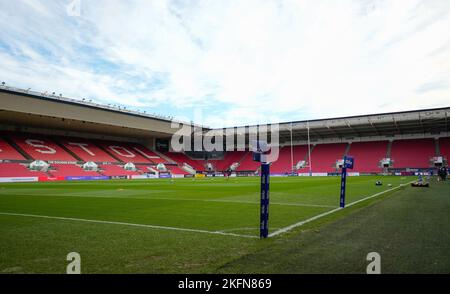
[25, 111]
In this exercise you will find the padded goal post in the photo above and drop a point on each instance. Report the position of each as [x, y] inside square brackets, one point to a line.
[348, 162]
[260, 150]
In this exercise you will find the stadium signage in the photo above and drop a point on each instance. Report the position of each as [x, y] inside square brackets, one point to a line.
[51, 179]
[146, 176]
[119, 177]
[164, 175]
[18, 179]
[348, 162]
[87, 178]
[61, 162]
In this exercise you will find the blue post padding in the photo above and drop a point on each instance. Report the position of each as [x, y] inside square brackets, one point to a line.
[264, 212]
[347, 163]
[343, 184]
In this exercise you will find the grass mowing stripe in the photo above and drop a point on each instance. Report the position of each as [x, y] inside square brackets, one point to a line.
[127, 224]
[288, 228]
[182, 199]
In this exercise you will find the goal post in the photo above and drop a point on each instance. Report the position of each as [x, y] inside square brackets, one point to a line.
[347, 163]
[260, 150]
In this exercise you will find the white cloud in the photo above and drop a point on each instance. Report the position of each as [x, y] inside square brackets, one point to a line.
[242, 62]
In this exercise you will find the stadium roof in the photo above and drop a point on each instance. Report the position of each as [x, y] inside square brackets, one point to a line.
[414, 122]
[114, 121]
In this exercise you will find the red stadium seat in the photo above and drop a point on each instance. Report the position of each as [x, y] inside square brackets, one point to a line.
[367, 155]
[324, 157]
[147, 153]
[180, 158]
[8, 152]
[229, 158]
[412, 153]
[126, 152]
[40, 147]
[18, 170]
[247, 163]
[444, 146]
[176, 170]
[70, 170]
[86, 150]
[284, 162]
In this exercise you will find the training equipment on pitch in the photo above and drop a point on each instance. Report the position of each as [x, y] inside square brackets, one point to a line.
[420, 183]
[260, 149]
[347, 163]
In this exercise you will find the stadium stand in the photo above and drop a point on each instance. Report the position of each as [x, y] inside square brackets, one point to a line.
[18, 170]
[412, 153]
[146, 168]
[42, 148]
[176, 170]
[444, 147]
[85, 150]
[124, 151]
[324, 157]
[8, 152]
[367, 155]
[180, 158]
[247, 163]
[228, 159]
[147, 153]
[66, 170]
[116, 170]
[283, 164]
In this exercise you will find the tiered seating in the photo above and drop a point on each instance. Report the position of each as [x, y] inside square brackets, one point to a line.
[181, 158]
[444, 146]
[144, 168]
[324, 156]
[70, 170]
[412, 153]
[86, 150]
[283, 164]
[367, 155]
[10, 170]
[228, 159]
[116, 170]
[39, 147]
[125, 151]
[247, 163]
[147, 153]
[8, 152]
[176, 170]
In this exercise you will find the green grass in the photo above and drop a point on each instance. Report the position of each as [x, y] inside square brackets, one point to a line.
[410, 231]
[41, 245]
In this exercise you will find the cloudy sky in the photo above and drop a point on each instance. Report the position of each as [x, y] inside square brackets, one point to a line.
[225, 62]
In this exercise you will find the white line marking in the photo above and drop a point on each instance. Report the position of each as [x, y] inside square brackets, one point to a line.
[301, 223]
[178, 199]
[273, 203]
[127, 224]
[242, 229]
